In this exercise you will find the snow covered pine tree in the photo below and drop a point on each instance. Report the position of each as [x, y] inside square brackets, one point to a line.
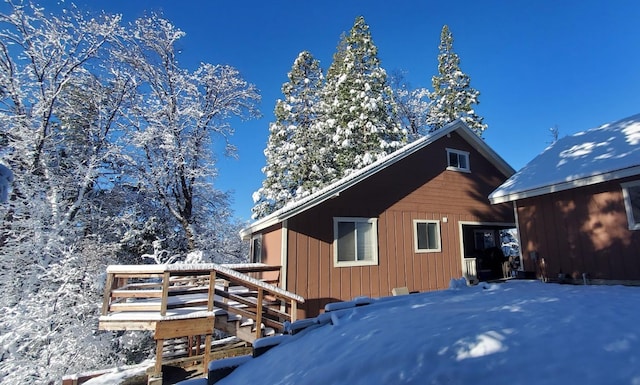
[452, 95]
[293, 160]
[358, 111]
[323, 134]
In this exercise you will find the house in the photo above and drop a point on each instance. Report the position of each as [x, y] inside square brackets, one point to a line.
[578, 205]
[407, 220]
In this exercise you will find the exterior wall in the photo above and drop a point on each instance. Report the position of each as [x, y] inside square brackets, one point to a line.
[583, 230]
[272, 250]
[417, 187]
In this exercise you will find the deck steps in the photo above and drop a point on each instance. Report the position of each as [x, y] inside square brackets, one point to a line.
[185, 304]
[219, 369]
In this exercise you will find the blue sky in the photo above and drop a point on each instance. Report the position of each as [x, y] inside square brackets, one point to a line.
[537, 64]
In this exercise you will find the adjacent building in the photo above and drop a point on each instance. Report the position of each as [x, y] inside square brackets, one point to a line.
[578, 205]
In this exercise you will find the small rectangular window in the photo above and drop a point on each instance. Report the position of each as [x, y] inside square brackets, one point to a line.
[458, 160]
[256, 248]
[631, 194]
[355, 241]
[426, 236]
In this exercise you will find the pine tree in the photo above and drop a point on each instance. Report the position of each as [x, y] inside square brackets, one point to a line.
[452, 95]
[359, 113]
[293, 162]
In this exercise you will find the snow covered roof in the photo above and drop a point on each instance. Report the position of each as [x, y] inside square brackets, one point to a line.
[334, 189]
[611, 151]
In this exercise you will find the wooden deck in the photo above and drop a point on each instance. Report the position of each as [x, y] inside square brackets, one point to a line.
[191, 301]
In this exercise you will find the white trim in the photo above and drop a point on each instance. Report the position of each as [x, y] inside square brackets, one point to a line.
[515, 216]
[495, 196]
[474, 223]
[463, 266]
[356, 177]
[634, 223]
[464, 154]
[374, 242]
[456, 169]
[415, 236]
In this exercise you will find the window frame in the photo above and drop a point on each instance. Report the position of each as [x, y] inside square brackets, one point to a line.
[459, 153]
[438, 235]
[633, 222]
[373, 242]
[256, 242]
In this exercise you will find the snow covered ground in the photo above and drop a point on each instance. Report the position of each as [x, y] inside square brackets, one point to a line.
[519, 332]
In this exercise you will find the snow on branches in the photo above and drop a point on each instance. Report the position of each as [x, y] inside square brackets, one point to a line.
[326, 128]
[452, 97]
[106, 142]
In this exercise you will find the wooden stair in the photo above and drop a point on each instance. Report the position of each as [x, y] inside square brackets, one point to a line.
[185, 304]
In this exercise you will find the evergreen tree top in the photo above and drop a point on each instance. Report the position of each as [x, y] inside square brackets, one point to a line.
[452, 97]
[448, 61]
[358, 105]
[356, 51]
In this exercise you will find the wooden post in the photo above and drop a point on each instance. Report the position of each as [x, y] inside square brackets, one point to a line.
[294, 310]
[156, 376]
[212, 290]
[225, 287]
[198, 342]
[207, 339]
[259, 313]
[207, 356]
[107, 294]
[165, 293]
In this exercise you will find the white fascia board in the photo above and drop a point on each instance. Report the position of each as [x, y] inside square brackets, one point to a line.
[582, 182]
[245, 234]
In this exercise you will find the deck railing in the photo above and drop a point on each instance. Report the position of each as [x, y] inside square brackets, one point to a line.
[146, 294]
[180, 300]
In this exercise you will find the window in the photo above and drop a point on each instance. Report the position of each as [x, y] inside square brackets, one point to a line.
[631, 193]
[256, 248]
[355, 241]
[426, 236]
[458, 160]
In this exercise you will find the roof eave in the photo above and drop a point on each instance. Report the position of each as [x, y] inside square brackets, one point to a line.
[580, 182]
[245, 234]
[337, 188]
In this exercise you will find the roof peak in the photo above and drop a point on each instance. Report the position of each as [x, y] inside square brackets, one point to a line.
[335, 188]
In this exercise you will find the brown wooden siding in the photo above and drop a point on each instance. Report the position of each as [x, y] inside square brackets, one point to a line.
[272, 250]
[418, 187]
[583, 230]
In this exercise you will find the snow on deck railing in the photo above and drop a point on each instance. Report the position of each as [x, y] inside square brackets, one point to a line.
[177, 300]
[227, 270]
[138, 292]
